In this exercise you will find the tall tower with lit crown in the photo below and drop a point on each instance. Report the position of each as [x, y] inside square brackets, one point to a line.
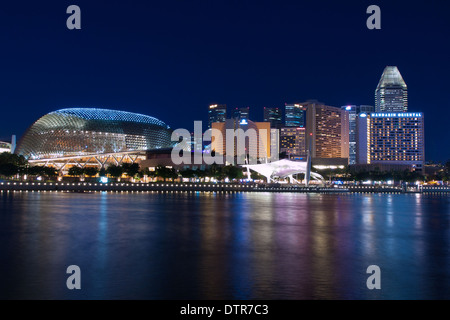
[391, 94]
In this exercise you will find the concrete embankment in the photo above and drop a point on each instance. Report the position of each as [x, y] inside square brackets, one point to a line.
[207, 187]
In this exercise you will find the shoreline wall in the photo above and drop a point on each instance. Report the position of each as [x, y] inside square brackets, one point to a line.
[206, 187]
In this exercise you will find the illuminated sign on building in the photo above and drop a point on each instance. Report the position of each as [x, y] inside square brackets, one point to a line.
[397, 115]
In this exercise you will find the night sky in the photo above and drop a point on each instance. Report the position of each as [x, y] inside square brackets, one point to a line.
[171, 59]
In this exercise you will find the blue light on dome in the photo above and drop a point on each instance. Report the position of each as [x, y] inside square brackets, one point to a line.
[87, 131]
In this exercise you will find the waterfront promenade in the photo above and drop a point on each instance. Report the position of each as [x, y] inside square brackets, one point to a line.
[209, 187]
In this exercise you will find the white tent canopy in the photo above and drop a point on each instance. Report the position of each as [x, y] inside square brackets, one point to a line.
[282, 168]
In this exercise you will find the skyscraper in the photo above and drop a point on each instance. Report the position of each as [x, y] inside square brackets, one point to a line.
[274, 116]
[328, 127]
[294, 115]
[391, 94]
[390, 138]
[217, 113]
[241, 113]
[353, 111]
[395, 138]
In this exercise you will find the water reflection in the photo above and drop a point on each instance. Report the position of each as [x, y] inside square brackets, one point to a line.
[224, 245]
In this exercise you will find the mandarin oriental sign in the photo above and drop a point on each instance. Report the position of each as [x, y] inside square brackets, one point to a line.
[396, 115]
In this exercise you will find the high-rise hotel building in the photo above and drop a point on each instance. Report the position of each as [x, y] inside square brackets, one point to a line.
[325, 128]
[393, 139]
[328, 129]
[217, 113]
[391, 94]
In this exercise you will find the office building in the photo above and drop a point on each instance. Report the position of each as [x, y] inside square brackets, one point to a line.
[353, 111]
[274, 116]
[391, 94]
[362, 128]
[217, 113]
[293, 142]
[241, 113]
[294, 115]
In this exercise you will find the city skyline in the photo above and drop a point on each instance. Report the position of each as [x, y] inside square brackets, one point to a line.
[218, 157]
[252, 54]
[390, 96]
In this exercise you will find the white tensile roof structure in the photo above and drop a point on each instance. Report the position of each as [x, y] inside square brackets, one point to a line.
[283, 168]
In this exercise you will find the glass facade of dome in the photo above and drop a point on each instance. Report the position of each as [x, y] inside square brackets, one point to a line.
[85, 131]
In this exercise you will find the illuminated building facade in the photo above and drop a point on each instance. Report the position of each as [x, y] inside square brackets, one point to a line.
[217, 113]
[5, 147]
[293, 142]
[274, 116]
[328, 128]
[89, 136]
[241, 113]
[390, 138]
[256, 142]
[391, 94]
[285, 169]
[294, 115]
[274, 144]
[395, 138]
[362, 150]
[353, 112]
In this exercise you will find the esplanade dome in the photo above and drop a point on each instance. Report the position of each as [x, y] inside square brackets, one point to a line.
[91, 131]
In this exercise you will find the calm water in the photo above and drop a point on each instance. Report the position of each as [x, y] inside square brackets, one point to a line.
[224, 246]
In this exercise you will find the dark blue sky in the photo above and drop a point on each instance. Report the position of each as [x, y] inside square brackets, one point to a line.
[171, 59]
